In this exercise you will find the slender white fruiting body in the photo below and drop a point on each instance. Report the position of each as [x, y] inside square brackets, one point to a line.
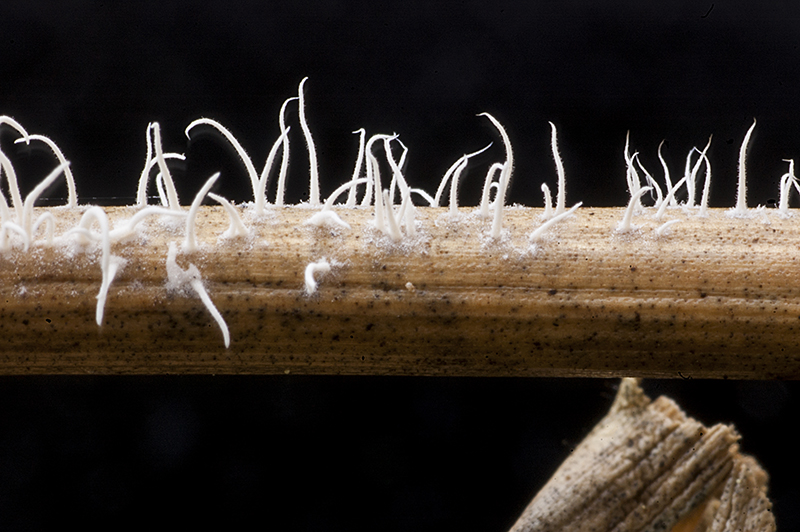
[13, 185]
[505, 178]
[72, 195]
[280, 193]
[16, 126]
[691, 181]
[127, 228]
[311, 284]
[141, 195]
[561, 198]
[50, 226]
[548, 202]
[349, 186]
[537, 234]
[177, 281]
[408, 214]
[398, 179]
[424, 195]
[108, 265]
[741, 191]
[141, 191]
[172, 194]
[625, 225]
[673, 202]
[190, 243]
[162, 194]
[313, 192]
[634, 184]
[462, 161]
[392, 226]
[237, 228]
[351, 195]
[33, 195]
[650, 181]
[240, 151]
[373, 175]
[261, 192]
[483, 212]
[706, 188]
[669, 199]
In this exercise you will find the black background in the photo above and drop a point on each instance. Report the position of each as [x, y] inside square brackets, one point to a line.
[336, 453]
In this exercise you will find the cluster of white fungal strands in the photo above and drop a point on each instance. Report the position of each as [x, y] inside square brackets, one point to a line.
[393, 200]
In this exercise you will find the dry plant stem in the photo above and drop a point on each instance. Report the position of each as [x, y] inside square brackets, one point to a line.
[713, 297]
[647, 466]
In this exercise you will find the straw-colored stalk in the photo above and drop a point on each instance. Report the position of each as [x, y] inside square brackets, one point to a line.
[714, 296]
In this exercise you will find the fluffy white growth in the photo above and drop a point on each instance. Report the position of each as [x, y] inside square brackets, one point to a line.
[72, 195]
[178, 280]
[320, 267]
[327, 219]
[561, 199]
[625, 225]
[313, 193]
[537, 234]
[741, 191]
[237, 228]
[505, 178]
[190, 243]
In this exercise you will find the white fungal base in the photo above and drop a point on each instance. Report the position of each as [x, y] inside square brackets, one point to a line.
[312, 270]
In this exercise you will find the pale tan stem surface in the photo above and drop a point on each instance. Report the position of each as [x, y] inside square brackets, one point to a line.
[716, 297]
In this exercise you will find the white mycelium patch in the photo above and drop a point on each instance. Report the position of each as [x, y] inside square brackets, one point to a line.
[312, 270]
